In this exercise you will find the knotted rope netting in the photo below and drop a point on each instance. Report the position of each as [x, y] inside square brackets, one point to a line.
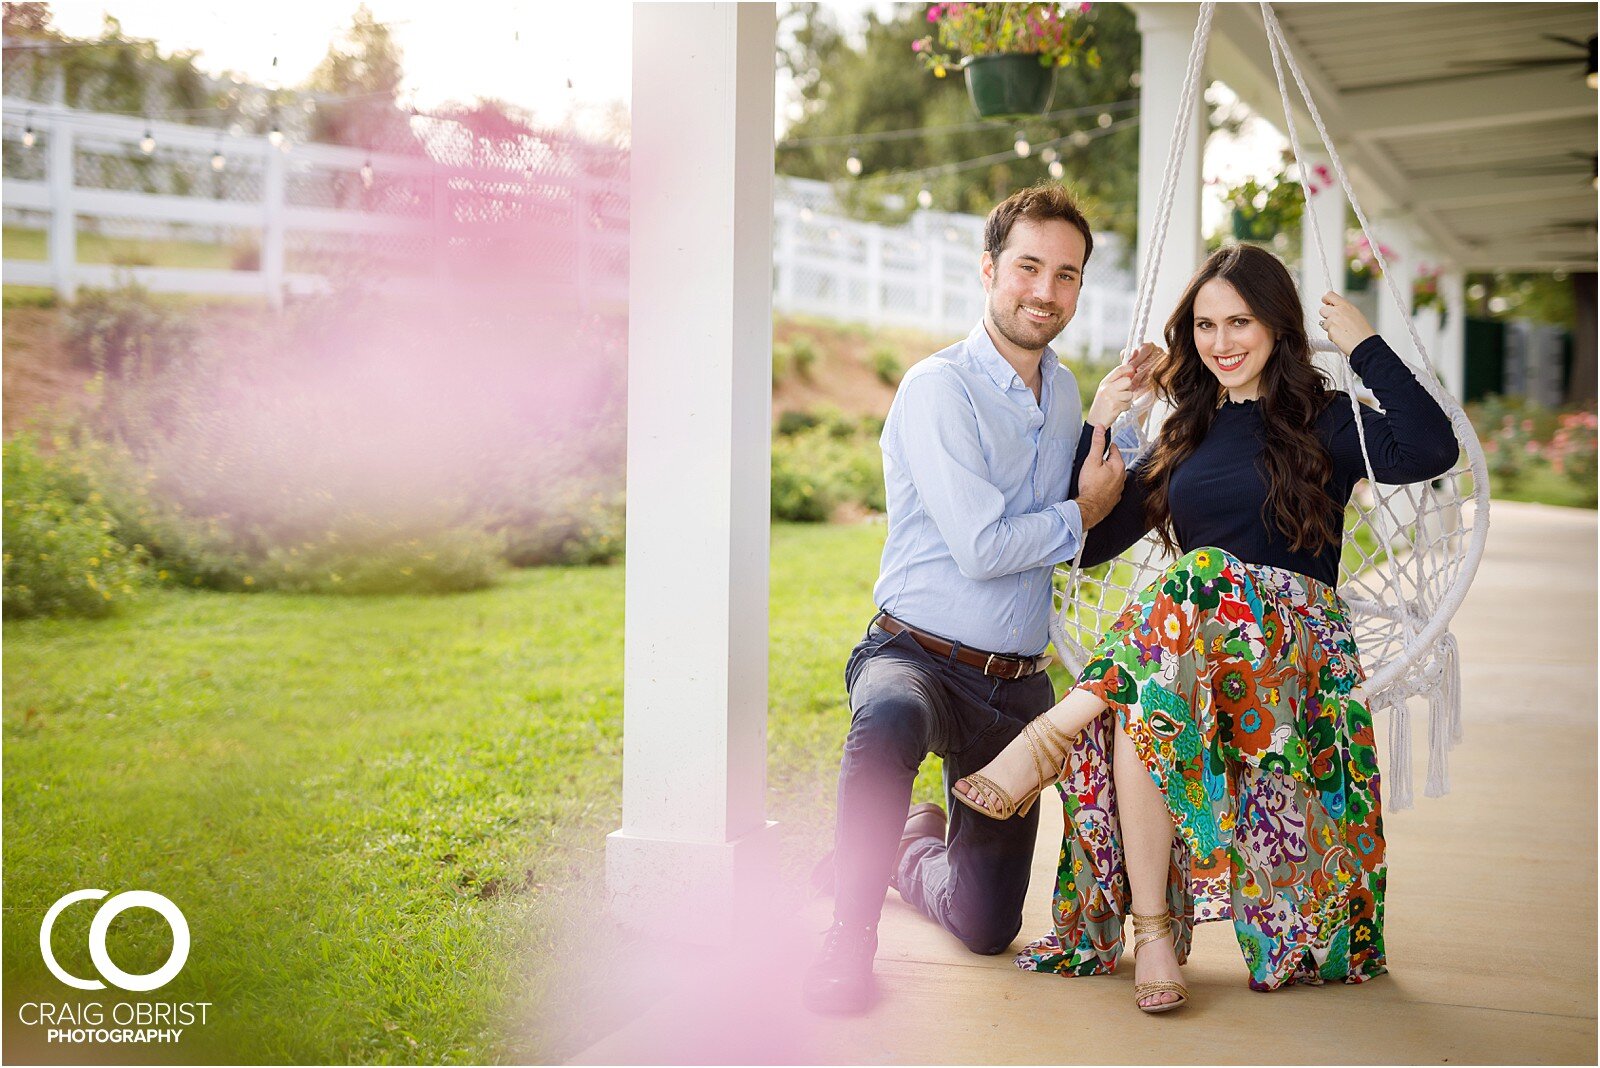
[1410, 551]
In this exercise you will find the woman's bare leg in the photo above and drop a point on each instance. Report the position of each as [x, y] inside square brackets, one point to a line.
[1014, 770]
[1147, 848]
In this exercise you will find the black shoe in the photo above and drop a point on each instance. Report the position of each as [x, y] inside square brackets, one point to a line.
[839, 981]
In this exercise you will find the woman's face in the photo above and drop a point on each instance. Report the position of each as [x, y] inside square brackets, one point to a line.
[1234, 345]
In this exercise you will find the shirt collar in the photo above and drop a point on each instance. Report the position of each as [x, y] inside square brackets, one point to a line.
[981, 347]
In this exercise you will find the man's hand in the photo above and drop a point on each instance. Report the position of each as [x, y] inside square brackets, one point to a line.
[1121, 386]
[1100, 481]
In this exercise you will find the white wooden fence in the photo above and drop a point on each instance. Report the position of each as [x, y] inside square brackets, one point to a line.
[284, 212]
[287, 214]
[923, 274]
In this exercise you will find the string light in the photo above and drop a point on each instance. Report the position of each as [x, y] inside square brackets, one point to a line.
[147, 143]
[218, 160]
[28, 136]
[1056, 169]
[853, 164]
[1048, 155]
[925, 198]
[366, 174]
[1104, 120]
[1022, 146]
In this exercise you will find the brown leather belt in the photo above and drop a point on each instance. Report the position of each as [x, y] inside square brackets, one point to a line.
[997, 664]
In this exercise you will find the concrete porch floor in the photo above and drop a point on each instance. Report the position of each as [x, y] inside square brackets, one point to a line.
[1491, 926]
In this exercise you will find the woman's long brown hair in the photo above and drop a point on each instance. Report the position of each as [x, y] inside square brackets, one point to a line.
[1293, 394]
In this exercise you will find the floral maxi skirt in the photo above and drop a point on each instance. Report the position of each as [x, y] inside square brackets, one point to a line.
[1239, 687]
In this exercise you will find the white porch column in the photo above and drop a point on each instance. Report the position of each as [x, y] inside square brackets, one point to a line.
[1168, 30]
[699, 451]
[1391, 321]
[1323, 220]
[1451, 359]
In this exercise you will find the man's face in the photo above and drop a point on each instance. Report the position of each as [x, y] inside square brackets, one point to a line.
[1033, 285]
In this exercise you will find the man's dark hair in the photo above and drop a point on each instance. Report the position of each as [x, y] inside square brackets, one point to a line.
[1044, 201]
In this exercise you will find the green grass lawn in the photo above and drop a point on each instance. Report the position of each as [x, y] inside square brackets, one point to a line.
[20, 244]
[366, 807]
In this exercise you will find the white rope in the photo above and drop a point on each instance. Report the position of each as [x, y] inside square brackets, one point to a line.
[1276, 47]
[1403, 640]
[1169, 180]
[1158, 235]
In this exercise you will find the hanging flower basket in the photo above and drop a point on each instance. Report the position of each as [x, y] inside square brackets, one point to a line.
[1010, 52]
[1252, 225]
[1011, 86]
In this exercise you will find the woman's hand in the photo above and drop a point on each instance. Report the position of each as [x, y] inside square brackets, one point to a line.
[1122, 387]
[1343, 321]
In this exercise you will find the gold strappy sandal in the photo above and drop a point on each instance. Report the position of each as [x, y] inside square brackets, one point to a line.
[1152, 929]
[1049, 745]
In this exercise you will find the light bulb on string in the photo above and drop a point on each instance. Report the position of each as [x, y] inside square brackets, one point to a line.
[1048, 155]
[275, 135]
[147, 143]
[218, 160]
[1104, 120]
[366, 174]
[28, 136]
[1056, 169]
[925, 198]
[1022, 146]
[1080, 138]
[853, 165]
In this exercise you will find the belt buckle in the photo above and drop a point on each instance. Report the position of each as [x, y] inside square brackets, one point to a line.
[989, 663]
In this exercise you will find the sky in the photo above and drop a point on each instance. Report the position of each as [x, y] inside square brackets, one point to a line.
[523, 53]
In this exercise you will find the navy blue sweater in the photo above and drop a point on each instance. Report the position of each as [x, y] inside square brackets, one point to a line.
[1217, 493]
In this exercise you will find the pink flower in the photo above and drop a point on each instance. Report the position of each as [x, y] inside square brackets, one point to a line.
[1083, 9]
[934, 12]
[917, 46]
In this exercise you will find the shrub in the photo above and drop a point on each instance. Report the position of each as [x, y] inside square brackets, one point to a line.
[62, 556]
[814, 473]
[886, 365]
[794, 422]
[803, 353]
[587, 527]
[124, 332]
[782, 361]
[1574, 453]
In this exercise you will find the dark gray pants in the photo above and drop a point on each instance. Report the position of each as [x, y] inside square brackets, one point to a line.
[905, 704]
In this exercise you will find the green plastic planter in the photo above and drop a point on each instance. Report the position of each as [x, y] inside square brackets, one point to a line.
[1010, 86]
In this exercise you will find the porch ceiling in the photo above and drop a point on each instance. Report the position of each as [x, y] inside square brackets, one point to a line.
[1442, 117]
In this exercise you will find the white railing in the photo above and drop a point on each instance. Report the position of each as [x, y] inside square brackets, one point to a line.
[923, 274]
[75, 170]
[285, 213]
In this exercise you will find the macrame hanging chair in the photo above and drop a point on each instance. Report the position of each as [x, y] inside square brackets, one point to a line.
[1410, 551]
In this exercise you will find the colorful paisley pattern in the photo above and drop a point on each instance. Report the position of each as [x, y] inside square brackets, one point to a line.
[1239, 686]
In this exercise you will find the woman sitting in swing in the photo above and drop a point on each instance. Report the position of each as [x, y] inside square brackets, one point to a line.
[1232, 679]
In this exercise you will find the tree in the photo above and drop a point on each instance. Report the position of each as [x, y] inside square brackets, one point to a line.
[359, 80]
[848, 90]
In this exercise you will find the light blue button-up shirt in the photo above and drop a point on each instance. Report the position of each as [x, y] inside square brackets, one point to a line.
[977, 473]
